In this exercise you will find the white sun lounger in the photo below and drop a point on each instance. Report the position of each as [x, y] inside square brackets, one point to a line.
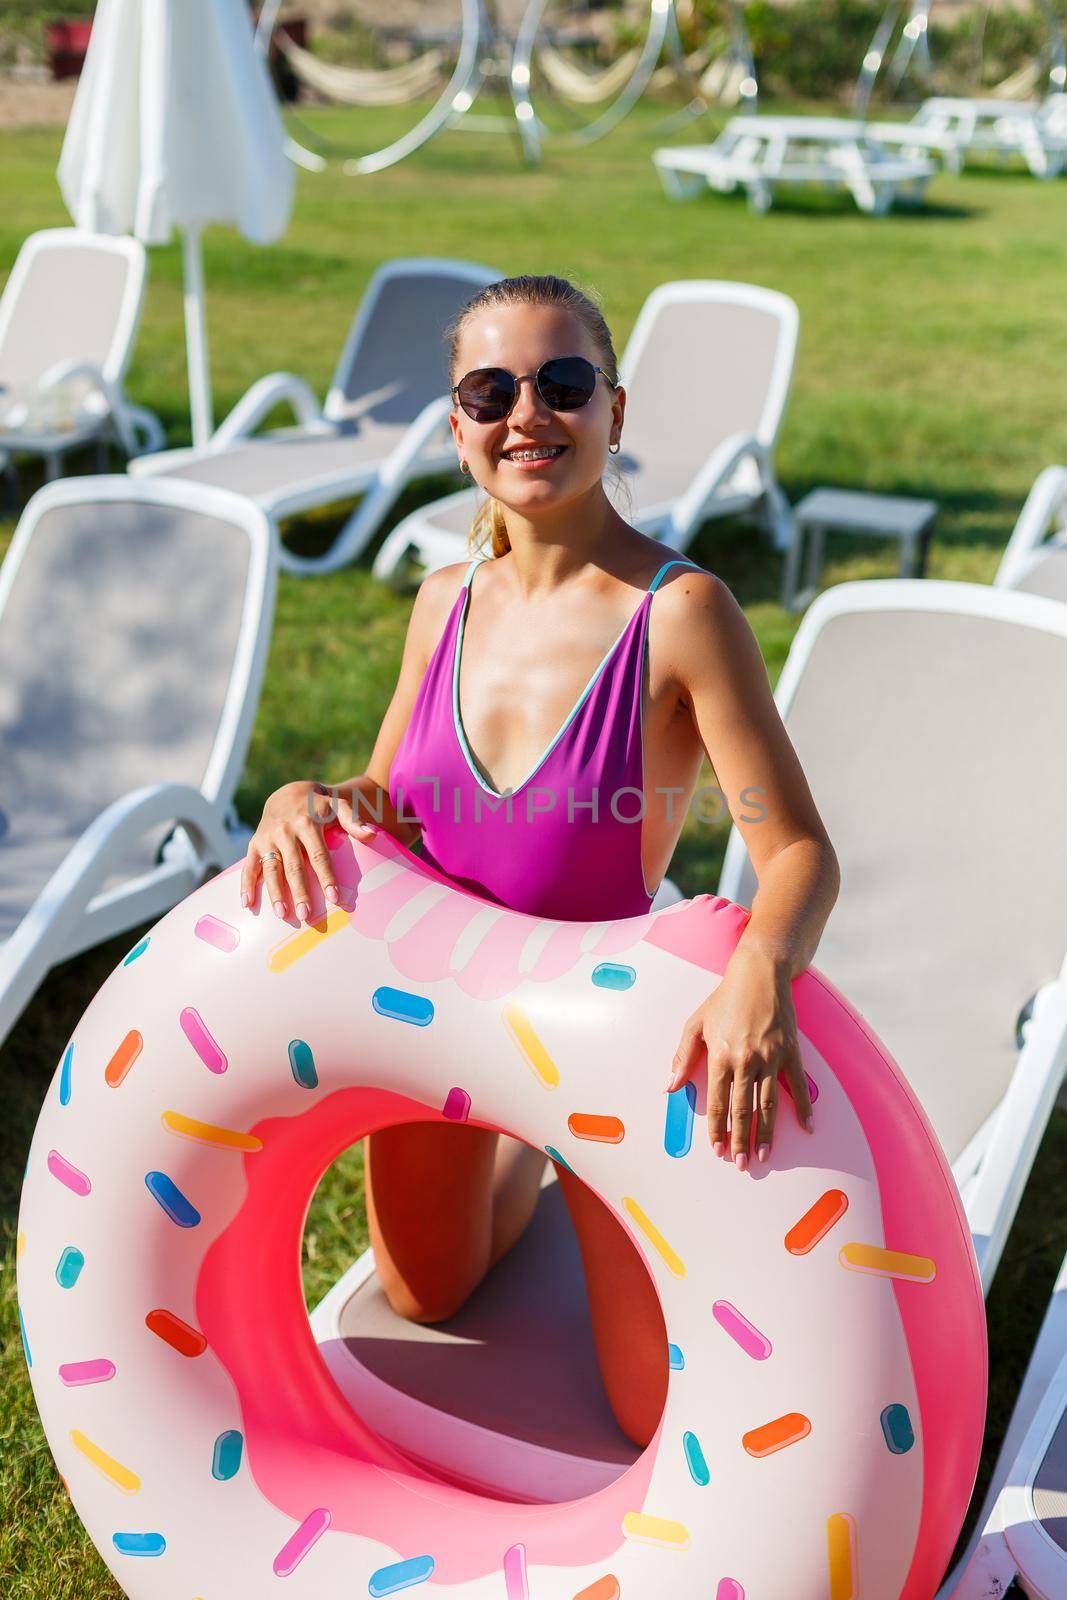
[68, 320]
[1035, 557]
[384, 421]
[707, 372]
[135, 620]
[1001, 128]
[926, 717]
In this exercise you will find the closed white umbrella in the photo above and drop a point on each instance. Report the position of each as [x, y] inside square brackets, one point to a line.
[175, 125]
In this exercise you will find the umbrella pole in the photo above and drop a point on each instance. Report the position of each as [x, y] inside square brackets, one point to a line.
[200, 409]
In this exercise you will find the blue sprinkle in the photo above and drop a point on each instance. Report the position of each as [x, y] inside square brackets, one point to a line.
[675, 1358]
[401, 1575]
[170, 1197]
[554, 1153]
[402, 1006]
[899, 1433]
[612, 975]
[302, 1063]
[69, 1266]
[694, 1455]
[64, 1075]
[678, 1129]
[25, 1341]
[227, 1455]
[139, 1544]
[138, 950]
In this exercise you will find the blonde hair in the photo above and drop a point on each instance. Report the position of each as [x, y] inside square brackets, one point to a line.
[489, 526]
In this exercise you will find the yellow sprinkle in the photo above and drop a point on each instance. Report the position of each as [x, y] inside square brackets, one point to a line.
[310, 938]
[887, 1263]
[522, 1031]
[20, 1244]
[674, 1261]
[120, 1476]
[207, 1133]
[655, 1530]
[841, 1550]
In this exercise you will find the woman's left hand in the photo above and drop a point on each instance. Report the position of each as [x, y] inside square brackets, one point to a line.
[749, 1030]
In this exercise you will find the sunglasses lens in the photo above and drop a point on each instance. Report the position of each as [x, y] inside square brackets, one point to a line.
[566, 382]
[487, 394]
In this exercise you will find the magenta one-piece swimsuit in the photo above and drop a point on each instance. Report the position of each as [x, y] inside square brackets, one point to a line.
[566, 841]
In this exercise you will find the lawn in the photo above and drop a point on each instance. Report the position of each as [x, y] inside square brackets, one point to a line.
[930, 363]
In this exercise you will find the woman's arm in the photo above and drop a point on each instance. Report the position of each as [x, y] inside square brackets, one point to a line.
[749, 1026]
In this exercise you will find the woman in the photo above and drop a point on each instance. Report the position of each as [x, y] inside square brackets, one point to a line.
[566, 600]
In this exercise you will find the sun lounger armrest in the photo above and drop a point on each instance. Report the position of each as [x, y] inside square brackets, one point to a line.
[65, 371]
[276, 389]
[716, 470]
[1024, 1113]
[1047, 497]
[417, 437]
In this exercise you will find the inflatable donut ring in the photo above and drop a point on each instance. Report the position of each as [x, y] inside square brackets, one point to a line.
[824, 1419]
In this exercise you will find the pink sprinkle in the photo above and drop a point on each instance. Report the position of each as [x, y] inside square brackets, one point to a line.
[77, 1372]
[752, 1342]
[515, 1573]
[194, 1030]
[62, 1169]
[295, 1549]
[213, 931]
[729, 1589]
[457, 1105]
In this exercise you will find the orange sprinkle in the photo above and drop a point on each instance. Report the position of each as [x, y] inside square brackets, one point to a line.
[776, 1435]
[178, 1334]
[816, 1223]
[603, 1589]
[887, 1263]
[123, 1059]
[604, 1130]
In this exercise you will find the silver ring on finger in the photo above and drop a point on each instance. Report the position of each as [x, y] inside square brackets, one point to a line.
[271, 855]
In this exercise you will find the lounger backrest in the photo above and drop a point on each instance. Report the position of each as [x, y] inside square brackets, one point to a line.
[394, 361]
[1035, 557]
[130, 643]
[707, 360]
[928, 720]
[71, 296]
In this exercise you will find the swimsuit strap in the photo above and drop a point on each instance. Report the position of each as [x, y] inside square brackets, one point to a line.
[675, 561]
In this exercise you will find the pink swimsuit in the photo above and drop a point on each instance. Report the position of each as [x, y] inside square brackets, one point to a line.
[566, 841]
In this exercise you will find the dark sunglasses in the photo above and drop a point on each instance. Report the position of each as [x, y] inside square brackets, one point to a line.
[565, 383]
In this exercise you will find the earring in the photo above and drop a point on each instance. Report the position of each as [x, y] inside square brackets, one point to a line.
[465, 465]
[615, 448]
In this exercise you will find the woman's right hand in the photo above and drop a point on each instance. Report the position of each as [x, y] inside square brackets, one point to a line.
[290, 833]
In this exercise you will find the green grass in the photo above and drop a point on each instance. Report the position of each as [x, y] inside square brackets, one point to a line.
[930, 363]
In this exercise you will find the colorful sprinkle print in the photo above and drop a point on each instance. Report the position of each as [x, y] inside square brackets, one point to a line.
[694, 1460]
[457, 1106]
[529, 1045]
[841, 1552]
[672, 1260]
[139, 1544]
[302, 1064]
[226, 1456]
[816, 1223]
[675, 1358]
[729, 1589]
[207, 1133]
[658, 1531]
[138, 950]
[69, 1266]
[221, 935]
[560, 1160]
[123, 1059]
[897, 1428]
[178, 1334]
[600, 1130]
[813, 1087]
[75, 1373]
[887, 1263]
[25, 1340]
[177, 1206]
[68, 1174]
[65, 1075]
[112, 1470]
[515, 1579]
[296, 1548]
[614, 975]
[606, 1588]
[402, 1006]
[776, 1435]
[192, 1025]
[400, 1575]
[741, 1331]
[678, 1128]
[288, 953]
